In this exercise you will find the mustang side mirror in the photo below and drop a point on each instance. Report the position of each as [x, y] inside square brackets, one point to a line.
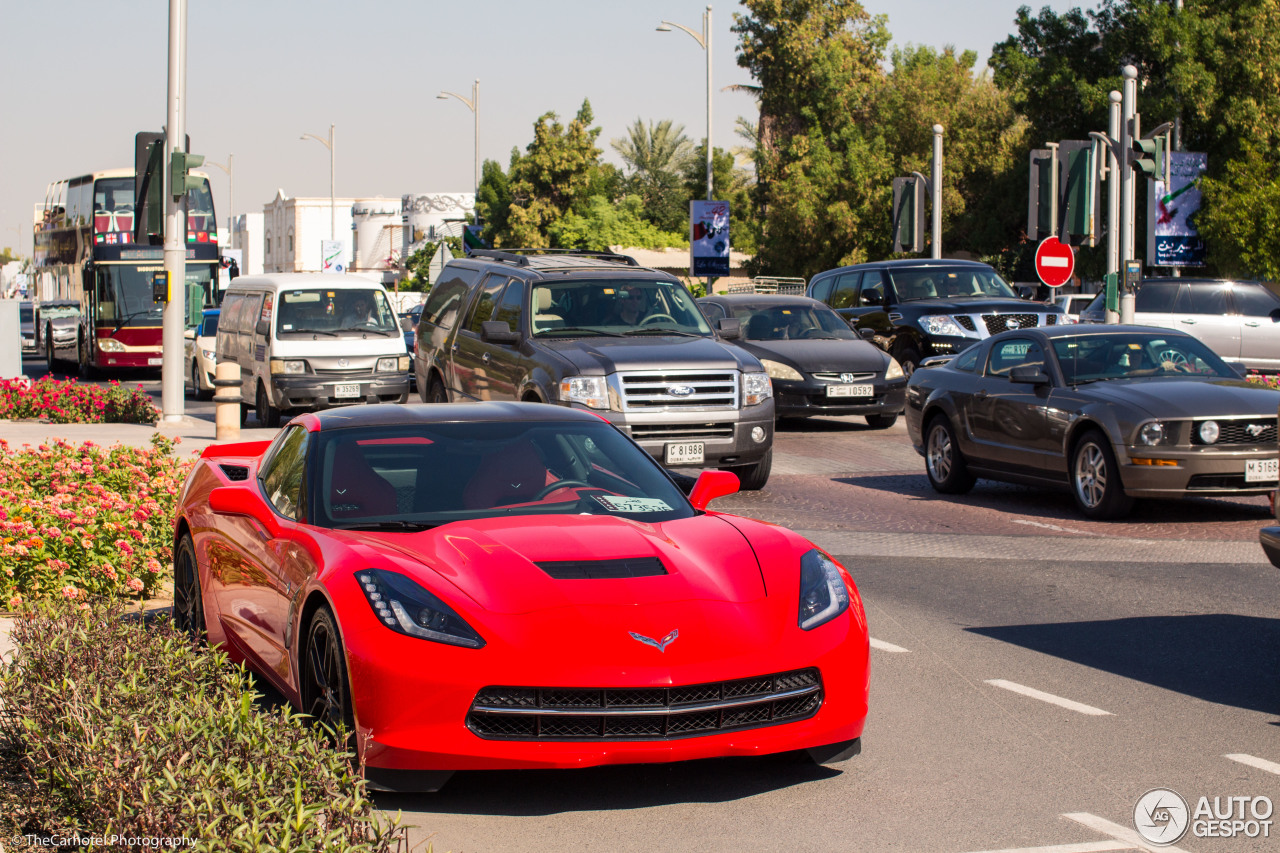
[712, 485]
[730, 328]
[1029, 374]
[866, 333]
[498, 332]
[238, 500]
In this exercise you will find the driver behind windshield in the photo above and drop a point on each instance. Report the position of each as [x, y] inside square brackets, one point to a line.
[629, 307]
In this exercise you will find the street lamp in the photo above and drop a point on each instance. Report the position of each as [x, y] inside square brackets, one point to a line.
[473, 104]
[231, 194]
[329, 144]
[704, 41]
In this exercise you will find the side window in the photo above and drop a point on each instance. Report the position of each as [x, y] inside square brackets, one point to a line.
[1202, 299]
[485, 302]
[511, 308]
[872, 292]
[822, 289]
[1254, 300]
[845, 294]
[713, 311]
[285, 473]
[445, 301]
[967, 360]
[248, 317]
[1015, 352]
[1156, 298]
[230, 306]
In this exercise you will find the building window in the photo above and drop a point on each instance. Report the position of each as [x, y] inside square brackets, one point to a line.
[290, 243]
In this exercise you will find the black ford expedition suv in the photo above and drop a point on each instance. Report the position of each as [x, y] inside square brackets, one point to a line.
[917, 308]
[596, 331]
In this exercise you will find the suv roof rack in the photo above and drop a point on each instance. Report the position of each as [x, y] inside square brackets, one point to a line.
[521, 256]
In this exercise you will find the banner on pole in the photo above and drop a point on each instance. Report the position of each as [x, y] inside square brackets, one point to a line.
[708, 239]
[1172, 238]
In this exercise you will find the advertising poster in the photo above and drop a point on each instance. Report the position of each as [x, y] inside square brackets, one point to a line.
[331, 256]
[708, 239]
[1172, 239]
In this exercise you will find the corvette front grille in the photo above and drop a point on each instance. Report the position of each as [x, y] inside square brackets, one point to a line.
[647, 713]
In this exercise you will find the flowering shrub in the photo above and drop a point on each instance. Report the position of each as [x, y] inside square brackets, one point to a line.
[70, 402]
[86, 521]
[1270, 380]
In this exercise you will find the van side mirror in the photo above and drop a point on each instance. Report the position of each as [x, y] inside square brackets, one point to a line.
[263, 327]
[730, 328]
[498, 332]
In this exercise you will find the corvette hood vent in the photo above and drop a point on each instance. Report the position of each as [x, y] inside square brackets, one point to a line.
[635, 567]
[235, 472]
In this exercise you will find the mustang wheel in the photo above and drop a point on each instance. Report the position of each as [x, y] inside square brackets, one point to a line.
[188, 602]
[943, 462]
[326, 693]
[1095, 478]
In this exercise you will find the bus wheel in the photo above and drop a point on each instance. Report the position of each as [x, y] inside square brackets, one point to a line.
[87, 370]
[50, 360]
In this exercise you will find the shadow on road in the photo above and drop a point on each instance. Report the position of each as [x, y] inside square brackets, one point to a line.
[526, 793]
[1218, 657]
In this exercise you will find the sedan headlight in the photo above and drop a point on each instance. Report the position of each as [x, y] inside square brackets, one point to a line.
[1209, 432]
[894, 370]
[756, 388]
[293, 365]
[405, 607]
[209, 354]
[823, 595]
[110, 345]
[590, 391]
[941, 324]
[778, 370]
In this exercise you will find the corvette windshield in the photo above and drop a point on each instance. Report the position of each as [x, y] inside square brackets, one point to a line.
[425, 475]
[1094, 358]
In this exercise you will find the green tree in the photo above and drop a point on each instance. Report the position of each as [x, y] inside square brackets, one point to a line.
[494, 201]
[556, 173]
[603, 224]
[1248, 245]
[654, 155]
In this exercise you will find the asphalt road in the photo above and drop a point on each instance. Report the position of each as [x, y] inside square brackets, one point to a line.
[1033, 675]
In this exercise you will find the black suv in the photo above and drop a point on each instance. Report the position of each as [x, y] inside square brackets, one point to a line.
[917, 308]
[597, 331]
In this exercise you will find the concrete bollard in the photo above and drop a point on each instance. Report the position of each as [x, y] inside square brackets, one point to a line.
[226, 394]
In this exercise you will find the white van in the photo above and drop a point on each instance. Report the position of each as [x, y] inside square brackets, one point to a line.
[308, 341]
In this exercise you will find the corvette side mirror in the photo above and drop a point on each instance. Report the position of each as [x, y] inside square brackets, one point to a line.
[238, 500]
[712, 485]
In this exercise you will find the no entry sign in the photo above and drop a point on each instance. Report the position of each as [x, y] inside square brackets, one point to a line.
[1054, 262]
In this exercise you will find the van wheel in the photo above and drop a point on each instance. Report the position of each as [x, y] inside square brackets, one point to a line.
[751, 478]
[268, 415]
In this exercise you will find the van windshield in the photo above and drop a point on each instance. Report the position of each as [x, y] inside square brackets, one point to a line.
[335, 312]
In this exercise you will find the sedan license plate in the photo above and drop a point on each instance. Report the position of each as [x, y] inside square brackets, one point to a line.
[155, 362]
[348, 390]
[851, 391]
[1261, 470]
[685, 453]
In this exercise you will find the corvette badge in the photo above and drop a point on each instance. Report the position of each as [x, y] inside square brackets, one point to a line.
[660, 645]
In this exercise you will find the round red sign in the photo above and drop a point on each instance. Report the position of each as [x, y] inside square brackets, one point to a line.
[1054, 262]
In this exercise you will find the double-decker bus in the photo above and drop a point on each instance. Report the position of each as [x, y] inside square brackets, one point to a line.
[85, 251]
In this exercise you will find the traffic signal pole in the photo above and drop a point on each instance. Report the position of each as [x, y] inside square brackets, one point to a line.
[937, 191]
[1113, 204]
[1128, 108]
[175, 225]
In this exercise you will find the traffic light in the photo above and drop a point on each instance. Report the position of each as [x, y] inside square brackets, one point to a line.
[1148, 156]
[148, 188]
[1040, 204]
[180, 165]
[908, 214]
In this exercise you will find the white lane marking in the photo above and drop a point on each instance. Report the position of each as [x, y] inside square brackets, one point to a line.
[886, 647]
[1253, 761]
[1048, 697]
[1049, 261]
[1120, 833]
[1082, 847]
[1055, 527]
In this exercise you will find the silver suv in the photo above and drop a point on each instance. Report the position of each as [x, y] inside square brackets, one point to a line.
[1239, 320]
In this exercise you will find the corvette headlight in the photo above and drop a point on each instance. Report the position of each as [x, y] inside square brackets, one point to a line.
[823, 595]
[778, 370]
[110, 345]
[894, 370]
[756, 388]
[941, 324]
[590, 391]
[405, 607]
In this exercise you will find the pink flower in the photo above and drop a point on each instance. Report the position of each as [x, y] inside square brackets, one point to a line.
[15, 602]
[69, 591]
[135, 584]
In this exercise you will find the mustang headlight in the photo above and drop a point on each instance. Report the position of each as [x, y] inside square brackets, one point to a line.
[778, 370]
[1209, 432]
[823, 595]
[941, 324]
[405, 607]
[756, 388]
[894, 370]
[590, 391]
[1153, 433]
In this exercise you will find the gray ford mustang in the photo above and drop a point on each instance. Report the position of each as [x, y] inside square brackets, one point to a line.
[1111, 412]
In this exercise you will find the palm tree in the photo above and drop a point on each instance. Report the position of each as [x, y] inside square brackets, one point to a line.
[654, 151]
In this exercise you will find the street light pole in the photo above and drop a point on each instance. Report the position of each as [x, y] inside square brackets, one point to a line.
[704, 41]
[231, 195]
[333, 231]
[473, 104]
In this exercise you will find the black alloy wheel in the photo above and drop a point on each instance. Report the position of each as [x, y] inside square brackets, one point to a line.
[326, 690]
[948, 472]
[1095, 478]
[188, 601]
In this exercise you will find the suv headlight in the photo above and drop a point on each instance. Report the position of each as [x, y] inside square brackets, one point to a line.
[590, 391]
[292, 365]
[756, 388]
[405, 607]
[941, 324]
[778, 370]
[823, 595]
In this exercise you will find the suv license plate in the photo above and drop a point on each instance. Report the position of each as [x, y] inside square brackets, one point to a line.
[685, 453]
[1261, 470]
[851, 391]
[350, 390]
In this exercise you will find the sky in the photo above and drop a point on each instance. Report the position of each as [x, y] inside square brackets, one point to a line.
[81, 78]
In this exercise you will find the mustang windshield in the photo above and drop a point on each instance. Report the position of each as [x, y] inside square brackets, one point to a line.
[615, 307]
[425, 475]
[1091, 358]
[936, 282]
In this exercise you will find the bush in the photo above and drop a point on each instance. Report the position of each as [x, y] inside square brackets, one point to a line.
[70, 402]
[112, 727]
[86, 520]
